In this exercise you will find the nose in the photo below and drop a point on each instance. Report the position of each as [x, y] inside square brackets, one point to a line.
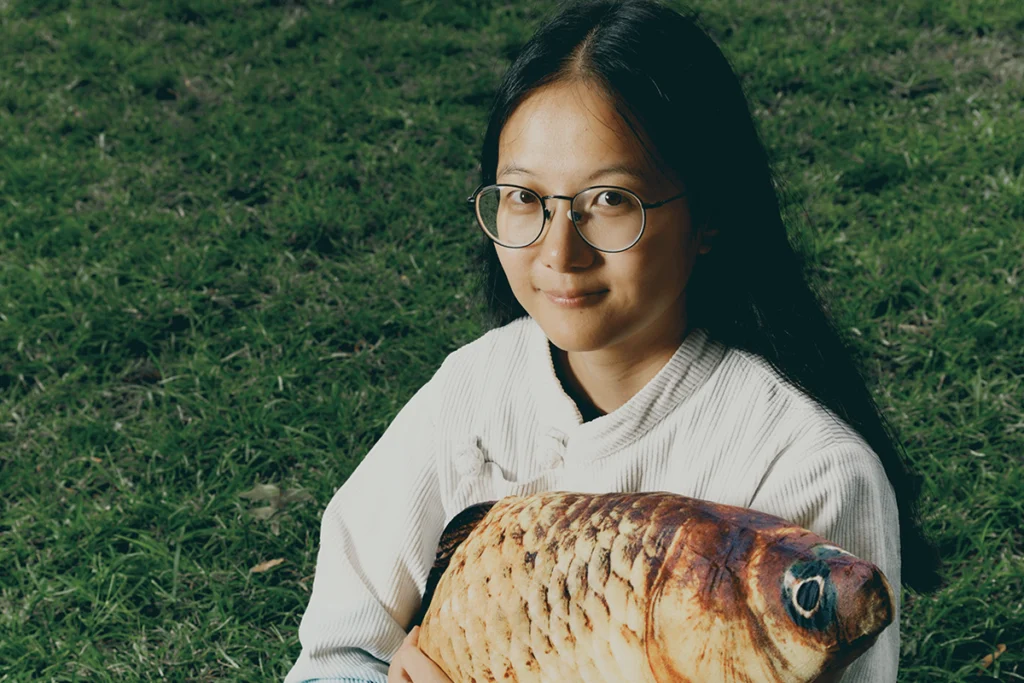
[561, 238]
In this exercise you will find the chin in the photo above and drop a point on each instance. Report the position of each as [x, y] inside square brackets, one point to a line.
[568, 336]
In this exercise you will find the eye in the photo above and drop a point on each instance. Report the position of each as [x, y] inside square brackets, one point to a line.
[613, 198]
[522, 197]
[808, 595]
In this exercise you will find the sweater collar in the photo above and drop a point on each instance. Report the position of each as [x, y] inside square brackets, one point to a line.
[684, 373]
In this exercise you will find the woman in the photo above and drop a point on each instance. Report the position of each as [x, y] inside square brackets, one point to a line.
[652, 330]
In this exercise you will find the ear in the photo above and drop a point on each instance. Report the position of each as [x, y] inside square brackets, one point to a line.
[705, 238]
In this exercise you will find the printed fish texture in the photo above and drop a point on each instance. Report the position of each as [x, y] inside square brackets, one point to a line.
[646, 588]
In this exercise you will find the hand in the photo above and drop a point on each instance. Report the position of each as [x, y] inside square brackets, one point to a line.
[410, 665]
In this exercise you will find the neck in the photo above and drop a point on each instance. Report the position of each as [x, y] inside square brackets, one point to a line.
[601, 381]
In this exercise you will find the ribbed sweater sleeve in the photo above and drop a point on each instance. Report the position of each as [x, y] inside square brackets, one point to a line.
[842, 494]
[378, 536]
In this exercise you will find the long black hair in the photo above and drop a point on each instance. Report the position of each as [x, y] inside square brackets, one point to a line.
[664, 73]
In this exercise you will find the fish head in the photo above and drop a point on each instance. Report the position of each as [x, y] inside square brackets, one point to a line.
[836, 600]
[821, 607]
[767, 601]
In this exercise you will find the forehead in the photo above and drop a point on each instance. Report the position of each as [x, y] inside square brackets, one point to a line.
[569, 131]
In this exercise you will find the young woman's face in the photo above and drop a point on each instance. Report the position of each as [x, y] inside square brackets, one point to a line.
[561, 135]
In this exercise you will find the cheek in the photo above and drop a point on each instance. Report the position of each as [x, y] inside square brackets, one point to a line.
[657, 266]
[514, 265]
[669, 256]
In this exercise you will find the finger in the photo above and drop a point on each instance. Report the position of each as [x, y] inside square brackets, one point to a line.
[423, 669]
[397, 672]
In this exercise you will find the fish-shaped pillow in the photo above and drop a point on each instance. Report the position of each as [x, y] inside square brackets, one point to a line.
[643, 588]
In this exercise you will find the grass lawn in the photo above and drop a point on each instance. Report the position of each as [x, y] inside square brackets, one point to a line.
[233, 244]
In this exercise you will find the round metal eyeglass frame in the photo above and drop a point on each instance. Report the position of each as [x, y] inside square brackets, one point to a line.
[547, 213]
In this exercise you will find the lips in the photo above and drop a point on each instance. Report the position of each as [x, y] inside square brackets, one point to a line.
[571, 294]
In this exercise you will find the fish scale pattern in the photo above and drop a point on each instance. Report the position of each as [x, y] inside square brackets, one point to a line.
[557, 584]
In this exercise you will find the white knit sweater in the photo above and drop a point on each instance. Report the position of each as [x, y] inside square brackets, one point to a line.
[715, 423]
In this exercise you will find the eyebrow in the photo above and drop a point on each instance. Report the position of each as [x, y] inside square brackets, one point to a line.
[621, 169]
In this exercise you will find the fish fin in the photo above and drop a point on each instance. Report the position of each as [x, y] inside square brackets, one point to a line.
[452, 537]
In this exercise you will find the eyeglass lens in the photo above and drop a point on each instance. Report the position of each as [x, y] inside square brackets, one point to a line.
[608, 218]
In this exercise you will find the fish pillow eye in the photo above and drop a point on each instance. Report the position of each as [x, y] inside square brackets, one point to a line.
[652, 587]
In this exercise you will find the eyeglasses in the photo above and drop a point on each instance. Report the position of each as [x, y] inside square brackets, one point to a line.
[608, 218]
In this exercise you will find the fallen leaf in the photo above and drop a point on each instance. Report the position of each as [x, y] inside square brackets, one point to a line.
[262, 492]
[987, 660]
[296, 496]
[264, 566]
[264, 513]
[277, 500]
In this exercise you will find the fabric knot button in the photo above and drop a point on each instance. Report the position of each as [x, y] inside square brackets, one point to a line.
[557, 435]
[552, 459]
[470, 460]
